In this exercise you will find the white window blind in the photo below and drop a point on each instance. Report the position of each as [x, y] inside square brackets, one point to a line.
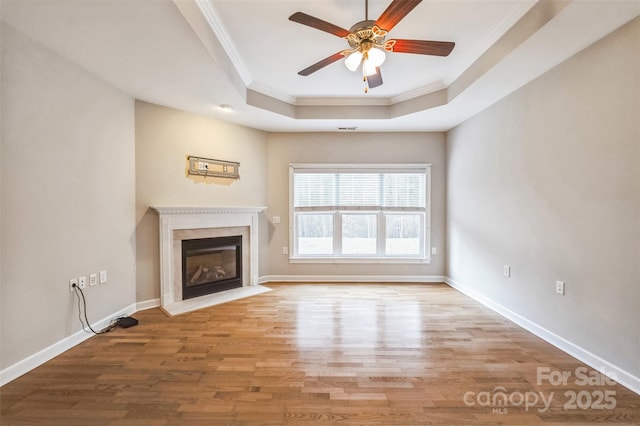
[352, 212]
[359, 190]
[404, 190]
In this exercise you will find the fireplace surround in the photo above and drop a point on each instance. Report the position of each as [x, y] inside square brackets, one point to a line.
[177, 224]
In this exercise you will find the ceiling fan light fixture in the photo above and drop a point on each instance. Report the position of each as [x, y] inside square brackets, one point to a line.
[367, 41]
[353, 61]
[368, 67]
[373, 58]
[376, 56]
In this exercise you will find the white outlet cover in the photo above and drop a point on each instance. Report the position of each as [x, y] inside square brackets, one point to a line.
[507, 271]
[82, 282]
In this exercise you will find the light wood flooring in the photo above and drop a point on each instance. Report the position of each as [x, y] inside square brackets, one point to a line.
[350, 354]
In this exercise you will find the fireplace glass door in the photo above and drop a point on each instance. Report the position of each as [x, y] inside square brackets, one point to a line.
[210, 265]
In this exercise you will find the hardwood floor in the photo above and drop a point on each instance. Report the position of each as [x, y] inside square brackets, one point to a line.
[367, 354]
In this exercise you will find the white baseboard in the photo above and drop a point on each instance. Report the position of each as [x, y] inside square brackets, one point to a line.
[622, 376]
[24, 366]
[148, 304]
[352, 278]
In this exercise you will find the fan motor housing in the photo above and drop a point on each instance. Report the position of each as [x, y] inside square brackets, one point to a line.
[363, 31]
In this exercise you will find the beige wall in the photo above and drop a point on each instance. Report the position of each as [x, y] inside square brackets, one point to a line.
[67, 196]
[548, 182]
[286, 148]
[165, 137]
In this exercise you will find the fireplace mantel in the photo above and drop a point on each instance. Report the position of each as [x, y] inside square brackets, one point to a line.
[207, 219]
[207, 210]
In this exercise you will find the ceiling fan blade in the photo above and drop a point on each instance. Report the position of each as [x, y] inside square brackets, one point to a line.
[319, 24]
[394, 13]
[323, 63]
[420, 47]
[374, 80]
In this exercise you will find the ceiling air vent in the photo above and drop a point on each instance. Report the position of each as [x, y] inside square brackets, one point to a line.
[347, 129]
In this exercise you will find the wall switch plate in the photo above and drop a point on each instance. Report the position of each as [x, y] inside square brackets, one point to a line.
[434, 251]
[285, 250]
[560, 287]
[72, 282]
[82, 282]
[507, 271]
[276, 220]
[93, 279]
[103, 277]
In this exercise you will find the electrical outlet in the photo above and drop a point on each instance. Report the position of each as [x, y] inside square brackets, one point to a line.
[507, 271]
[72, 282]
[276, 220]
[93, 279]
[82, 282]
[103, 277]
[285, 250]
[560, 287]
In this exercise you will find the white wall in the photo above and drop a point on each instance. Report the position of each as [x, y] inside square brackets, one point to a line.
[67, 196]
[165, 137]
[548, 182]
[286, 148]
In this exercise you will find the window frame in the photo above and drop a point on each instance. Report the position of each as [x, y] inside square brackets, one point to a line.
[381, 212]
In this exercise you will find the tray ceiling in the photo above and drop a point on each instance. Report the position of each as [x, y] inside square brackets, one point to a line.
[196, 55]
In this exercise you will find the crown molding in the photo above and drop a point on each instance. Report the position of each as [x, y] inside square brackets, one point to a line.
[272, 93]
[498, 31]
[212, 17]
[341, 101]
[417, 92]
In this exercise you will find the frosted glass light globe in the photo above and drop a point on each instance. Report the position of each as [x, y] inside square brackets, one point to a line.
[376, 56]
[353, 61]
[368, 67]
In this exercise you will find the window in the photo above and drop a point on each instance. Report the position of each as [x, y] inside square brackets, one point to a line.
[359, 213]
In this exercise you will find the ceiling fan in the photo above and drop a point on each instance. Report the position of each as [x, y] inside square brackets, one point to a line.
[367, 41]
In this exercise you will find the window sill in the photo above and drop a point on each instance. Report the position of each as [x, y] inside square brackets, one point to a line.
[397, 260]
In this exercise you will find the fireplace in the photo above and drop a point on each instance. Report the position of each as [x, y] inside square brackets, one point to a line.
[178, 224]
[210, 265]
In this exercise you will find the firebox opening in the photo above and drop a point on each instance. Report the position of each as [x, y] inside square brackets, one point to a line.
[210, 265]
